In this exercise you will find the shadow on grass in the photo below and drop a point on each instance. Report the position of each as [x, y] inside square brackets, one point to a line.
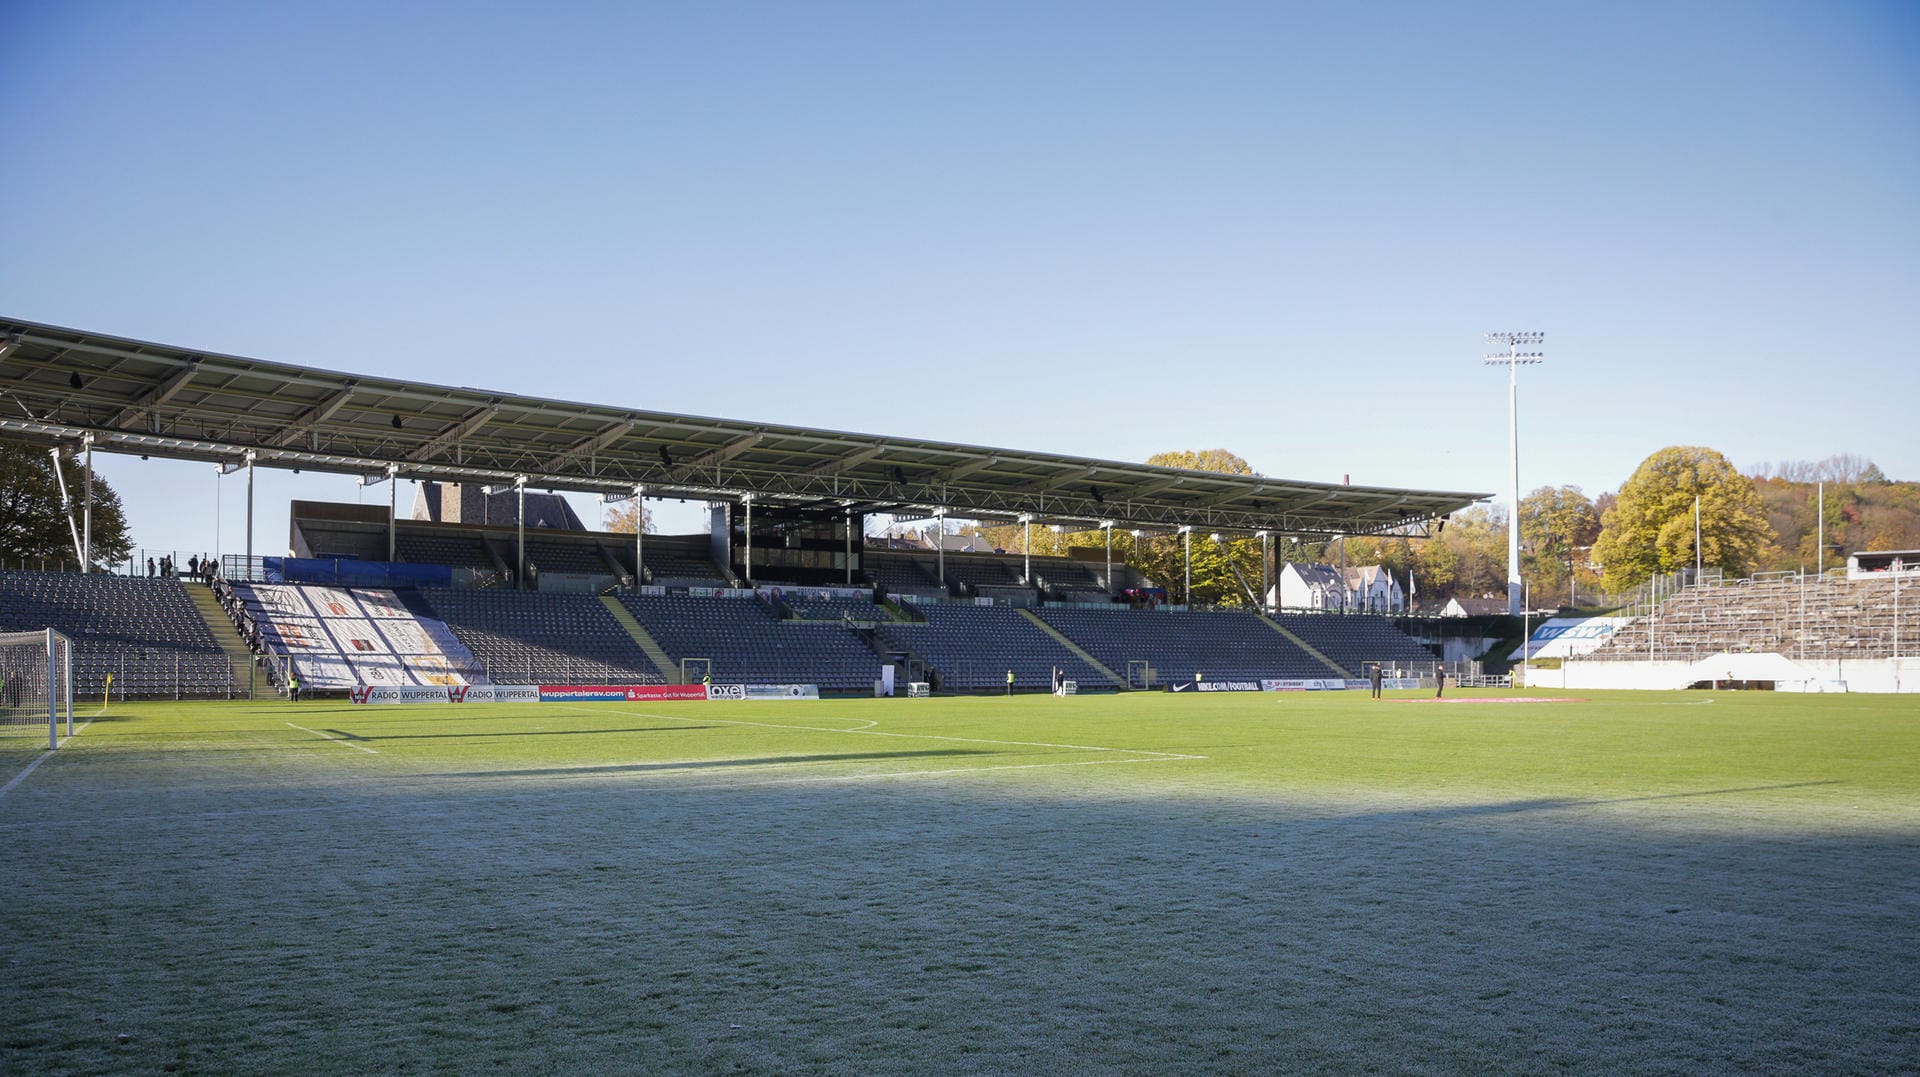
[714, 764]
[1512, 807]
[518, 733]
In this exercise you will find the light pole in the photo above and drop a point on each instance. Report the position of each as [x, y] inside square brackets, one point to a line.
[1266, 559]
[1107, 581]
[1512, 360]
[1186, 544]
[1026, 549]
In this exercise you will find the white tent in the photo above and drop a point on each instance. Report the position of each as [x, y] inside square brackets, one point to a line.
[1759, 666]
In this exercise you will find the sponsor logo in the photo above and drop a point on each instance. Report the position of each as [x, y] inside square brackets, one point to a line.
[782, 691]
[396, 693]
[614, 693]
[1228, 686]
[726, 691]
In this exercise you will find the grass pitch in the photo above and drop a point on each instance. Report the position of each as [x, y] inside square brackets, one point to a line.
[1152, 884]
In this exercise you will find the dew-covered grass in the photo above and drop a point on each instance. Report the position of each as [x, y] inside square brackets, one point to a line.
[1152, 884]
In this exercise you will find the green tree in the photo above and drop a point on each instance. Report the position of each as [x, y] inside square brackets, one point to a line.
[1161, 557]
[1650, 528]
[1467, 558]
[33, 526]
[628, 517]
[1555, 521]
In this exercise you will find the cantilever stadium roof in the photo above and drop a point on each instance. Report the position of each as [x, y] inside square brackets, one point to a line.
[59, 385]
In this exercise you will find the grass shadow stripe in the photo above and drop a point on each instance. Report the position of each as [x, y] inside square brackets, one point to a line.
[706, 764]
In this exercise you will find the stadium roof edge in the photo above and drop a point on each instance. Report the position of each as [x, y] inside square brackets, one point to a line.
[62, 385]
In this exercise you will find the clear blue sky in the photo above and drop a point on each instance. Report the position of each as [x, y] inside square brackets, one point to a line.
[1103, 228]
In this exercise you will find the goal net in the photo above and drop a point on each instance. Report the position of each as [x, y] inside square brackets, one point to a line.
[36, 688]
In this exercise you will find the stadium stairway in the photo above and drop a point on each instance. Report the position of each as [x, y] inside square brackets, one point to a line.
[227, 636]
[651, 647]
[1312, 652]
[1075, 648]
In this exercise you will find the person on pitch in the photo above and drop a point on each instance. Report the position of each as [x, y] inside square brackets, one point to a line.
[1376, 677]
[1440, 682]
[1009, 682]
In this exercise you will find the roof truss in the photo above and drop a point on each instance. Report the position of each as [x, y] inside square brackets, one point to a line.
[149, 398]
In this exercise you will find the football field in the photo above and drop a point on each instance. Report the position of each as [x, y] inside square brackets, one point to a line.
[1145, 884]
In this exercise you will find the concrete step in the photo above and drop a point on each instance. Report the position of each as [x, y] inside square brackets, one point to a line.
[227, 636]
[1118, 681]
[1307, 647]
[655, 653]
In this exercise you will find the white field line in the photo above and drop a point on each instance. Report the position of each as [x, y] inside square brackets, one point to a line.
[336, 740]
[39, 759]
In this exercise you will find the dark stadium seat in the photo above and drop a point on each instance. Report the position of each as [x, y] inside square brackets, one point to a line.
[146, 633]
[1355, 641]
[748, 644]
[973, 647]
[1178, 644]
[529, 637]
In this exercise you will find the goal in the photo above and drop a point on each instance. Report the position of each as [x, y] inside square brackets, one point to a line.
[36, 685]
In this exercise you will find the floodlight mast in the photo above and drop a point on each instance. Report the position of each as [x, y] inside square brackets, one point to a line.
[1512, 360]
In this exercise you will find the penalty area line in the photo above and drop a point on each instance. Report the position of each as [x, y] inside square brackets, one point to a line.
[337, 740]
[39, 759]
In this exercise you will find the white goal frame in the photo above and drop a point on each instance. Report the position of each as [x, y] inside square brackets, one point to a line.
[57, 670]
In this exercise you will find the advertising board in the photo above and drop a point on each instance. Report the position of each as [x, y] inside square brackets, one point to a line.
[397, 693]
[782, 691]
[614, 693]
[493, 693]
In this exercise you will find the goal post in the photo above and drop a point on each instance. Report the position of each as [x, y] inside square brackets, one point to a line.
[36, 684]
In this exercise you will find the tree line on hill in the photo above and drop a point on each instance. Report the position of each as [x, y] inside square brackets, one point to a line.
[1574, 549]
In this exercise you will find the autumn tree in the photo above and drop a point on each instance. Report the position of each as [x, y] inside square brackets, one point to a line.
[1554, 522]
[33, 525]
[629, 517]
[1161, 556]
[1650, 529]
[1466, 557]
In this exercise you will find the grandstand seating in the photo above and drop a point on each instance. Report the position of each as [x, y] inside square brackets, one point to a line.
[903, 573]
[458, 551]
[820, 606]
[576, 558]
[747, 644]
[1178, 644]
[973, 647]
[527, 637]
[145, 632]
[1817, 618]
[1071, 581]
[345, 542]
[670, 558]
[1353, 641]
[988, 571]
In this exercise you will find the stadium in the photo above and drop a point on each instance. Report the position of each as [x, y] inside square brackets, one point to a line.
[492, 788]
